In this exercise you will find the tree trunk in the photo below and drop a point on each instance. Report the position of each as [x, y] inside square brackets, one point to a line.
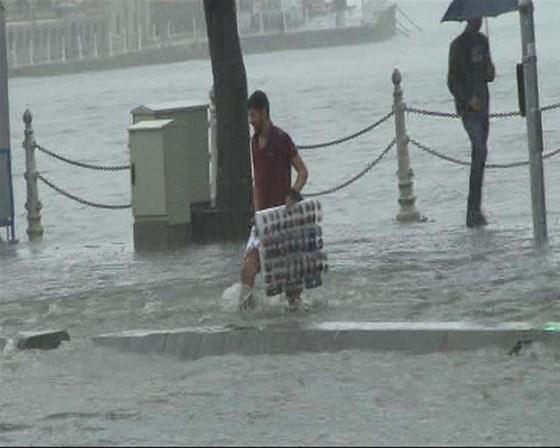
[234, 183]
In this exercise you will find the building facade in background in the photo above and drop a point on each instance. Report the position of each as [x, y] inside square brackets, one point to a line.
[42, 32]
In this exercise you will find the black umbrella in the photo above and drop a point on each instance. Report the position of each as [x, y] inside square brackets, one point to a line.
[460, 10]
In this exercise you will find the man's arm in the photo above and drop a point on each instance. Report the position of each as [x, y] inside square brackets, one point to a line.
[297, 163]
[302, 173]
[455, 76]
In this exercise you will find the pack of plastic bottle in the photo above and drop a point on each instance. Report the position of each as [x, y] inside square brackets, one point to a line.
[291, 250]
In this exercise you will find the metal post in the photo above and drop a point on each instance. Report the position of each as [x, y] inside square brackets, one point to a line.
[63, 47]
[80, 47]
[139, 33]
[95, 46]
[213, 125]
[49, 51]
[534, 122]
[110, 38]
[5, 184]
[407, 200]
[32, 49]
[33, 205]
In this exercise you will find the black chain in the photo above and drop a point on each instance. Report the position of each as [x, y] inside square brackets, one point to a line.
[358, 176]
[432, 113]
[550, 107]
[80, 200]
[465, 163]
[82, 164]
[350, 137]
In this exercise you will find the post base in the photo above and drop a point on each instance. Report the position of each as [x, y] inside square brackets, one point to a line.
[413, 215]
[215, 225]
[158, 234]
[35, 234]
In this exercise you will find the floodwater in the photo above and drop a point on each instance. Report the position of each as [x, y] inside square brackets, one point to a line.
[84, 276]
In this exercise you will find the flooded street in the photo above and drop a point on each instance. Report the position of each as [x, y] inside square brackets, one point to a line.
[85, 277]
[106, 398]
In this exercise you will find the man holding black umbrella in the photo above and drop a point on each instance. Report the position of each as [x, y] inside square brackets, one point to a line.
[470, 71]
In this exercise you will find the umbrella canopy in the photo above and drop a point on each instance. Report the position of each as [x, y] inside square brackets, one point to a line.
[460, 10]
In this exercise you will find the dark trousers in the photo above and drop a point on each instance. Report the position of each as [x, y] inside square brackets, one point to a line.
[477, 125]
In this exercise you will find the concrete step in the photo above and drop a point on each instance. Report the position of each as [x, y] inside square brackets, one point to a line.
[414, 338]
[41, 340]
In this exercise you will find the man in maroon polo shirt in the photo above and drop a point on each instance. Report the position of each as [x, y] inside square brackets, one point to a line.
[274, 154]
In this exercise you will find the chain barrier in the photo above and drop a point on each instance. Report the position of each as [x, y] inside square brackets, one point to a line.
[82, 164]
[358, 176]
[350, 137]
[80, 200]
[505, 114]
[550, 107]
[465, 163]
[432, 113]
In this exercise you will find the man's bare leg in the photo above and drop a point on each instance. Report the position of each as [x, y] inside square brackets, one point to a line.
[294, 297]
[249, 272]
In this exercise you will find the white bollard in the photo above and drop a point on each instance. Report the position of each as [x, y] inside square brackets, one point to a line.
[33, 204]
[95, 47]
[110, 38]
[407, 200]
[63, 48]
[80, 47]
[31, 49]
[48, 46]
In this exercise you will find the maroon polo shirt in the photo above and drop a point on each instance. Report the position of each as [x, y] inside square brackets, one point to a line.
[272, 168]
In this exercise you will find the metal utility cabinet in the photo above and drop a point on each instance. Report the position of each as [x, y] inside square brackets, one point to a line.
[169, 171]
[160, 189]
[193, 120]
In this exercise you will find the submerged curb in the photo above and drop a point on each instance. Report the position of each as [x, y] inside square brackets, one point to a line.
[38, 340]
[44, 340]
[413, 338]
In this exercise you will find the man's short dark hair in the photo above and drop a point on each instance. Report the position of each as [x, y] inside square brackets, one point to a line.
[258, 100]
